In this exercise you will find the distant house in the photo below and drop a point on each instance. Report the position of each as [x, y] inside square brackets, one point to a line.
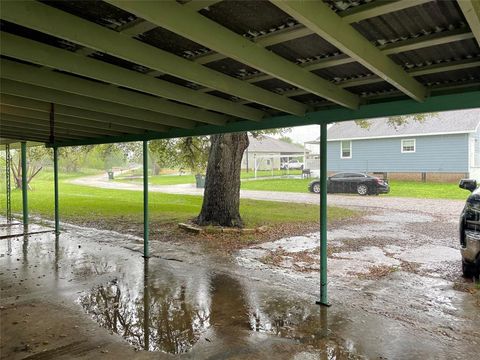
[268, 152]
[445, 147]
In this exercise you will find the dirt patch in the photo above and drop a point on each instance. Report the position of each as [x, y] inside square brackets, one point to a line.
[300, 259]
[223, 242]
[470, 287]
[375, 272]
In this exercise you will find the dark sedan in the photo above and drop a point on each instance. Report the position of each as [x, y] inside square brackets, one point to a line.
[361, 184]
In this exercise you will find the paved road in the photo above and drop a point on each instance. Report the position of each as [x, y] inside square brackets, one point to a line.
[449, 208]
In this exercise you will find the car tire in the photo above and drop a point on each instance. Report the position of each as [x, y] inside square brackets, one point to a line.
[315, 188]
[468, 270]
[362, 189]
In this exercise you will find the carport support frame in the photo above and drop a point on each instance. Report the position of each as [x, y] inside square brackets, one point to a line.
[24, 185]
[146, 252]
[8, 185]
[55, 183]
[323, 216]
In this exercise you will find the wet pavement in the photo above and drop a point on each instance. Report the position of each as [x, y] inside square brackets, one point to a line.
[90, 294]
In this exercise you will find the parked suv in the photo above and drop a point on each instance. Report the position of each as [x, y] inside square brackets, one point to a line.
[470, 230]
[359, 183]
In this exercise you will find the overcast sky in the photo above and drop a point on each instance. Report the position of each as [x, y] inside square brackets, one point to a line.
[300, 134]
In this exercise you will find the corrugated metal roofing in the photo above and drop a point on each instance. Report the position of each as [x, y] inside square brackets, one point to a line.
[440, 123]
[261, 21]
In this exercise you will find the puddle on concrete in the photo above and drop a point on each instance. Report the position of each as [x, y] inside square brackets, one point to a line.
[168, 313]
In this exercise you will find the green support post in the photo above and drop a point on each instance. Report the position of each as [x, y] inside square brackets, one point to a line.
[55, 182]
[323, 216]
[146, 308]
[24, 183]
[146, 253]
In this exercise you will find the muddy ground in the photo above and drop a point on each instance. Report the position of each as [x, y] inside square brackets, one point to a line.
[394, 285]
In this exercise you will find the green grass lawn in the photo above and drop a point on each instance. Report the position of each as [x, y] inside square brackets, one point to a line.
[79, 204]
[410, 189]
[289, 185]
[427, 190]
[190, 179]
[161, 179]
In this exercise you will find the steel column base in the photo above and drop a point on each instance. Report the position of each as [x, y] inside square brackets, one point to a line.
[323, 304]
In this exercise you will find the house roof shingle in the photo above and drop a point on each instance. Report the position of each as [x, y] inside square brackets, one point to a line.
[442, 123]
[269, 144]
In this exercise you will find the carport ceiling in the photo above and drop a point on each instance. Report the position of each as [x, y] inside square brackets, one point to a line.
[85, 72]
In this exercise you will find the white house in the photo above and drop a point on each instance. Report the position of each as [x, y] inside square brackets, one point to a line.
[269, 153]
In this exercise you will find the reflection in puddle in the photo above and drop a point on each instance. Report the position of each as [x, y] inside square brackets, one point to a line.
[155, 318]
[165, 313]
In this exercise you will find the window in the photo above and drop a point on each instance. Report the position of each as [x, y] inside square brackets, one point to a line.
[355, 175]
[346, 149]
[408, 146]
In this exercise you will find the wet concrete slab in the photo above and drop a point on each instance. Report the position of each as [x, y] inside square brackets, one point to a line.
[71, 296]
[89, 294]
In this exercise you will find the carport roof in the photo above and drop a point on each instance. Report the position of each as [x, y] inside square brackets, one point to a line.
[84, 72]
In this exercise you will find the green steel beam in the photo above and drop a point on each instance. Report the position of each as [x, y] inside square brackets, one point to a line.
[136, 27]
[198, 28]
[140, 26]
[65, 122]
[146, 218]
[382, 108]
[270, 39]
[41, 77]
[55, 185]
[377, 8]
[197, 5]
[323, 217]
[444, 37]
[425, 70]
[358, 13]
[15, 135]
[78, 116]
[124, 115]
[471, 10]
[22, 136]
[31, 127]
[46, 55]
[61, 24]
[30, 119]
[27, 126]
[317, 16]
[435, 39]
[23, 152]
[101, 120]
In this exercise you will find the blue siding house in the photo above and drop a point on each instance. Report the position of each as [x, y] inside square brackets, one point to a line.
[444, 147]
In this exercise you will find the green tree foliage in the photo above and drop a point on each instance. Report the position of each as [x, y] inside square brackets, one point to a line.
[398, 121]
[189, 153]
[286, 139]
[72, 157]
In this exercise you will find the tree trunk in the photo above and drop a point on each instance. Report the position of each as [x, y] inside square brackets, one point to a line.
[221, 200]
